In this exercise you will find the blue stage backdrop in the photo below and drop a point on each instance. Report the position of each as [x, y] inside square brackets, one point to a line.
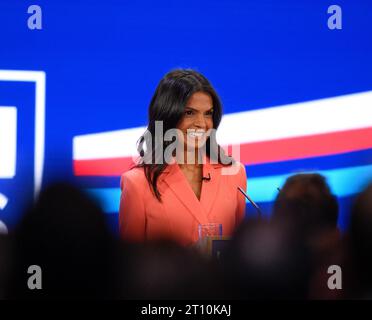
[297, 94]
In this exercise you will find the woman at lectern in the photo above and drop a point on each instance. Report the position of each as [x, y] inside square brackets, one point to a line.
[183, 178]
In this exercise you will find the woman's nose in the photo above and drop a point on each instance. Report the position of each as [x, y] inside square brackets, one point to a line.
[200, 122]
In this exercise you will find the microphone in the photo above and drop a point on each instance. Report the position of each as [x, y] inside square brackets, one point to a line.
[251, 201]
[207, 178]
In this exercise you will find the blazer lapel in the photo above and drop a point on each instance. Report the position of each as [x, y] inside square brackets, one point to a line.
[209, 188]
[177, 182]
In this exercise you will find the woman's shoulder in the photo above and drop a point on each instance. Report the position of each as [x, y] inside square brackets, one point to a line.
[134, 172]
[135, 175]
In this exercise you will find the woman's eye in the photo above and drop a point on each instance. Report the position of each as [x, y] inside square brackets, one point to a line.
[188, 112]
[210, 112]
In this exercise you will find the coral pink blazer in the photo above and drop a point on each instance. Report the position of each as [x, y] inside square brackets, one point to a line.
[142, 217]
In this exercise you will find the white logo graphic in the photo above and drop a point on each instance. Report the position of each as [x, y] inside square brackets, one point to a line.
[8, 151]
[8, 132]
[8, 141]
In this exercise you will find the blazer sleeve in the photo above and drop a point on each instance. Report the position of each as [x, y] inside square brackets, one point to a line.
[242, 182]
[132, 219]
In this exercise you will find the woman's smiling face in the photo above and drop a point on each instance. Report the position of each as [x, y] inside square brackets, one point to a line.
[196, 121]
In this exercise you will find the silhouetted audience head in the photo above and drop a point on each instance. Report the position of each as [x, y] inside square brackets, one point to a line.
[64, 234]
[5, 263]
[164, 270]
[361, 241]
[306, 200]
[307, 204]
[267, 260]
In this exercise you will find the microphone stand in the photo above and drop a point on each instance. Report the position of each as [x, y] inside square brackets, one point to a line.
[251, 201]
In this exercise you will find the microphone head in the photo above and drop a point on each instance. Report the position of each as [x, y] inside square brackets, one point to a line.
[207, 178]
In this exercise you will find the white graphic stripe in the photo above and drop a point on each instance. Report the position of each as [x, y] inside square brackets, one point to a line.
[301, 119]
[329, 115]
[113, 144]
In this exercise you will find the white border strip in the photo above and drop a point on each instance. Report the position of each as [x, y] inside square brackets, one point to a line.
[39, 77]
[347, 112]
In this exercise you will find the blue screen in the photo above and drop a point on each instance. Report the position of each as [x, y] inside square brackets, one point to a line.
[298, 91]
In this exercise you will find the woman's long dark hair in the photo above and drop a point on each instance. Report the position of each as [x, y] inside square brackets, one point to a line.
[168, 105]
